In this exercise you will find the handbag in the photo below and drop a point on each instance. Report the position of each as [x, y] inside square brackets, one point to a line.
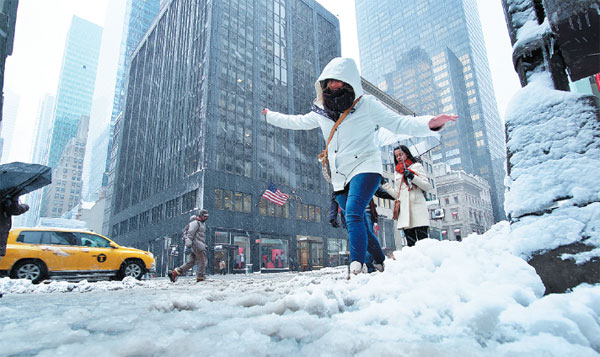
[325, 169]
[396, 210]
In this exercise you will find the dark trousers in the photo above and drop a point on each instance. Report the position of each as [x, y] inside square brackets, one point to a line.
[415, 234]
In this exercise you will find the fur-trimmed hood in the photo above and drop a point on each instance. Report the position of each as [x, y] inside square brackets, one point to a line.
[343, 69]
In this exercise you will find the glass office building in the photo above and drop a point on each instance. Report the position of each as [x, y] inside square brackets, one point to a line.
[430, 55]
[192, 135]
[73, 101]
[76, 84]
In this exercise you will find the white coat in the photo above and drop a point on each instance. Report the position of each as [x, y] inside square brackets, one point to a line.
[353, 149]
[413, 207]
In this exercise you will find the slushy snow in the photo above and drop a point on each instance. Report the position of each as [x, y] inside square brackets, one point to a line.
[439, 298]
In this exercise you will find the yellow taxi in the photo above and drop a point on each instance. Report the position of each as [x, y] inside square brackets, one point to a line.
[41, 253]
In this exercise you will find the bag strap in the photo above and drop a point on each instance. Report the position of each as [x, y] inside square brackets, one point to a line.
[337, 123]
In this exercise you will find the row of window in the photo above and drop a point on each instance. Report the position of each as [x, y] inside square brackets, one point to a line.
[170, 209]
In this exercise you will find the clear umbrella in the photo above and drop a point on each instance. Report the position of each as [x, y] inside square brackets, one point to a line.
[418, 146]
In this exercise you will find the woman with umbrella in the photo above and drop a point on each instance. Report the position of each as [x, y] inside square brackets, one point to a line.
[410, 182]
[350, 120]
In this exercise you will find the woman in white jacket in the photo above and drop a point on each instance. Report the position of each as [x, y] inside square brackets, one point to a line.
[410, 184]
[354, 158]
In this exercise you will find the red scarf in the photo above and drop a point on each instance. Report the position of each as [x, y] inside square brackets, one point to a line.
[400, 168]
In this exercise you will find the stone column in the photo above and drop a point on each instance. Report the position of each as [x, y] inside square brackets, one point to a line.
[553, 141]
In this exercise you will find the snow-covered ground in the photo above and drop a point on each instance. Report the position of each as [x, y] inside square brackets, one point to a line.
[472, 298]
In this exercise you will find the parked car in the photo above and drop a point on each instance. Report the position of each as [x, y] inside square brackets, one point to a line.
[41, 253]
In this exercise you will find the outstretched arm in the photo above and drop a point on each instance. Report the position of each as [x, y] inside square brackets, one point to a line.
[296, 122]
[407, 124]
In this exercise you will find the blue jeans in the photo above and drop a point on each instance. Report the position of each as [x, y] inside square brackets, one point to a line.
[353, 202]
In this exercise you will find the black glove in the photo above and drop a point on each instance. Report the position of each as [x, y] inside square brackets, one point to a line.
[334, 223]
[384, 180]
[408, 175]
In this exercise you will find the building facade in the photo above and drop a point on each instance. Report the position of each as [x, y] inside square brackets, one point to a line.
[139, 15]
[192, 135]
[8, 18]
[435, 67]
[465, 201]
[64, 192]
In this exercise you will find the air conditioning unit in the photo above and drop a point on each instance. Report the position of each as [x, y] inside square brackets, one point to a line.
[437, 213]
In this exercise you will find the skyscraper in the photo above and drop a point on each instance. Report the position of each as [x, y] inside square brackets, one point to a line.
[38, 156]
[75, 91]
[76, 84]
[192, 134]
[431, 56]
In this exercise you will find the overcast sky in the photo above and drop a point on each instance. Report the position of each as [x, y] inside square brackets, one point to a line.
[33, 69]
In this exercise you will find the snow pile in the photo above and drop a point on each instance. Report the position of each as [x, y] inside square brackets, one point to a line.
[24, 286]
[436, 299]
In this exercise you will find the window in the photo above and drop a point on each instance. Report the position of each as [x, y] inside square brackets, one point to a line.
[274, 253]
[189, 200]
[228, 200]
[92, 240]
[218, 199]
[222, 237]
[247, 203]
[242, 254]
[30, 237]
[60, 238]
[237, 201]
[172, 208]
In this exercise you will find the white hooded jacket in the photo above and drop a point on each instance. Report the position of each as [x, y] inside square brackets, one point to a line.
[353, 149]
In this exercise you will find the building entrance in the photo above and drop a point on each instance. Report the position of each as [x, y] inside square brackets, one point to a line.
[310, 253]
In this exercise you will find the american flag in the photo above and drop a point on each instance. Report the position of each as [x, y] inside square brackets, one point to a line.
[273, 194]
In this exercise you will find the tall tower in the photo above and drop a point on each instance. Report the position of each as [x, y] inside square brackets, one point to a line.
[192, 134]
[434, 67]
[75, 89]
[76, 84]
[38, 156]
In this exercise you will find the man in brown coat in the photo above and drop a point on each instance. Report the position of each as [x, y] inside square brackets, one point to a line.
[196, 233]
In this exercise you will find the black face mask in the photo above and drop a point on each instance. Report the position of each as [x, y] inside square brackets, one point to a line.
[338, 100]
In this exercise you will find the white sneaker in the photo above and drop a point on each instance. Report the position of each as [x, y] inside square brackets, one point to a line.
[356, 267]
[380, 267]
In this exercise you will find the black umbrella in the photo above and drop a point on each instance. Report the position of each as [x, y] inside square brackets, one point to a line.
[19, 178]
